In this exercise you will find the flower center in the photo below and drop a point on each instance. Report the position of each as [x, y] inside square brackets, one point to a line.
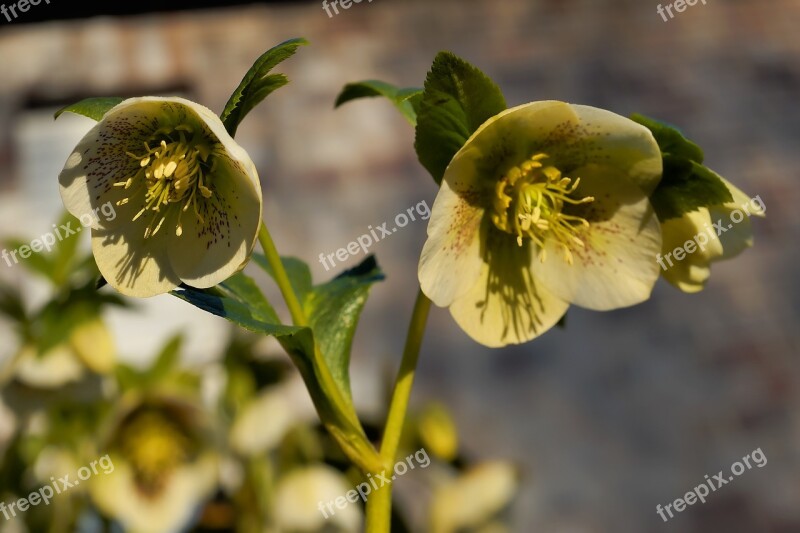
[529, 202]
[154, 446]
[173, 172]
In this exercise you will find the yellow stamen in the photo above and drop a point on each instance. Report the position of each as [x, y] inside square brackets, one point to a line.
[529, 203]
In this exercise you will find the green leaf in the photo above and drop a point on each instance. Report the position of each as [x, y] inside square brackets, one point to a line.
[670, 139]
[257, 84]
[334, 309]
[457, 99]
[93, 108]
[298, 272]
[686, 184]
[406, 100]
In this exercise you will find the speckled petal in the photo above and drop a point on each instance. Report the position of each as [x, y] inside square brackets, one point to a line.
[617, 267]
[210, 251]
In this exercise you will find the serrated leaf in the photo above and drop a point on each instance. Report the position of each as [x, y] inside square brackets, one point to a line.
[93, 108]
[406, 100]
[687, 186]
[670, 139]
[258, 83]
[457, 99]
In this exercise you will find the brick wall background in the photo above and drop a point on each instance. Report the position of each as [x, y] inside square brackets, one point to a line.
[619, 412]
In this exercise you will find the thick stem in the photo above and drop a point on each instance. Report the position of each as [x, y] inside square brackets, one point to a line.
[379, 505]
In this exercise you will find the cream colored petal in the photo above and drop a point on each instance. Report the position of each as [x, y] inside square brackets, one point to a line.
[115, 493]
[474, 498]
[749, 206]
[691, 272]
[94, 345]
[133, 265]
[618, 143]
[506, 305]
[504, 141]
[617, 267]
[100, 160]
[451, 258]
[737, 236]
[53, 369]
[305, 501]
[263, 422]
[238, 155]
[210, 251]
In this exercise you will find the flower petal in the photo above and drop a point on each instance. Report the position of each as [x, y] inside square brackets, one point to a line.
[211, 250]
[451, 258]
[617, 267]
[691, 273]
[506, 305]
[504, 141]
[133, 265]
[102, 158]
[737, 237]
[617, 142]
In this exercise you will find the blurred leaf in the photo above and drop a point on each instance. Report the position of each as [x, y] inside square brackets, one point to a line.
[258, 84]
[406, 100]
[93, 108]
[686, 185]
[457, 99]
[37, 263]
[11, 304]
[167, 360]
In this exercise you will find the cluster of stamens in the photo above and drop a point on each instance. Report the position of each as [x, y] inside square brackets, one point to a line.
[529, 202]
[173, 171]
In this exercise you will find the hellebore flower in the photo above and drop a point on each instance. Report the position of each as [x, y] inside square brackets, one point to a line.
[545, 205]
[186, 198]
[89, 346]
[162, 470]
[706, 235]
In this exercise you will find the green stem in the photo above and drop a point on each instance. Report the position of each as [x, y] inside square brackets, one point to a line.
[341, 419]
[281, 278]
[379, 505]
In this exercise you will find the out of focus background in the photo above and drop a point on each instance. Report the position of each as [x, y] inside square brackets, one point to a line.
[603, 420]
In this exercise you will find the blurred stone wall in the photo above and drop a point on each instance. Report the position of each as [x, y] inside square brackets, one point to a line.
[619, 412]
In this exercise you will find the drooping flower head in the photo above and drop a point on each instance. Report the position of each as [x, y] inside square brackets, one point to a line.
[706, 235]
[545, 205]
[186, 198]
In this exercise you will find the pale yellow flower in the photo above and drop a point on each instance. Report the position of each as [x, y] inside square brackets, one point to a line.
[186, 197]
[707, 235]
[545, 205]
